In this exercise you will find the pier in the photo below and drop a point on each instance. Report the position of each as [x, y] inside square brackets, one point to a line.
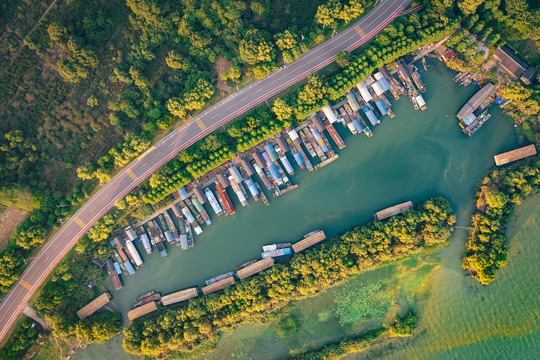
[393, 210]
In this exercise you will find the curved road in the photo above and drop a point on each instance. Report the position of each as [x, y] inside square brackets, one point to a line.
[187, 134]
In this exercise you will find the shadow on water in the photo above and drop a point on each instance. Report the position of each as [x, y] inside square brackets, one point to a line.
[414, 156]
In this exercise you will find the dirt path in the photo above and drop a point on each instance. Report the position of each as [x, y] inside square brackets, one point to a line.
[9, 220]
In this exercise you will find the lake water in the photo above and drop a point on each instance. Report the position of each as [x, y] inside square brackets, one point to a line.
[414, 156]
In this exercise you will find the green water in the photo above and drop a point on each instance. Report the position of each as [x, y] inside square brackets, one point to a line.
[414, 156]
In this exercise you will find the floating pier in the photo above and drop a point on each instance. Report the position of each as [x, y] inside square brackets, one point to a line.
[94, 305]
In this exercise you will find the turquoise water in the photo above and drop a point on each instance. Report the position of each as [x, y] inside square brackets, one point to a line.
[414, 156]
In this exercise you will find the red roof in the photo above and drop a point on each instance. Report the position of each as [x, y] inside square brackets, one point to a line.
[450, 54]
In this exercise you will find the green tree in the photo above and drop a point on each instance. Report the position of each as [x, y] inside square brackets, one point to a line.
[233, 73]
[468, 7]
[282, 109]
[343, 58]
[403, 326]
[254, 48]
[287, 326]
[176, 61]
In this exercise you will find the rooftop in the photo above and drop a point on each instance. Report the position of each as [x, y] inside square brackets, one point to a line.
[255, 268]
[515, 155]
[94, 305]
[510, 62]
[309, 241]
[179, 296]
[142, 310]
[476, 101]
[218, 285]
[393, 210]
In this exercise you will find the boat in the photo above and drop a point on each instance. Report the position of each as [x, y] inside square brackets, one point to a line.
[276, 246]
[219, 277]
[276, 253]
[147, 299]
[189, 233]
[240, 267]
[311, 233]
[137, 299]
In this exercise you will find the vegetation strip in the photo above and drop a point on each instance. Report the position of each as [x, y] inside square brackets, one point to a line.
[500, 191]
[363, 248]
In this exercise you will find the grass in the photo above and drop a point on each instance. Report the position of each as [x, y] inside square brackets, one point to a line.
[52, 349]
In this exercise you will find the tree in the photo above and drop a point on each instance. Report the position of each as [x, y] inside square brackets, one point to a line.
[328, 13]
[343, 58]
[468, 7]
[255, 49]
[282, 109]
[287, 326]
[233, 73]
[176, 61]
[259, 8]
[175, 107]
[286, 40]
[403, 326]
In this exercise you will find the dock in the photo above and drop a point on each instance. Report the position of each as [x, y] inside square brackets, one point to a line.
[255, 268]
[218, 285]
[180, 296]
[309, 240]
[515, 155]
[393, 210]
[94, 305]
[142, 310]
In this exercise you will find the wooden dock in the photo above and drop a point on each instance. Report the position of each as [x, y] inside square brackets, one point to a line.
[514, 155]
[142, 310]
[218, 285]
[179, 296]
[394, 210]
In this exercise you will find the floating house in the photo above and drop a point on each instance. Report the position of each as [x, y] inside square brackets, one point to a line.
[255, 268]
[514, 155]
[329, 113]
[471, 115]
[142, 310]
[94, 305]
[218, 285]
[393, 210]
[179, 296]
[309, 240]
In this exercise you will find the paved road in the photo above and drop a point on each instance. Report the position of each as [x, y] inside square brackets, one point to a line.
[187, 134]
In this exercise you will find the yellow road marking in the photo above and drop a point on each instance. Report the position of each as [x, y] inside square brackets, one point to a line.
[79, 222]
[10, 306]
[117, 186]
[359, 31]
[94, 208]
[131, 174]
[228, 107]
[244, 98]
[25, 284]
[258, 90]
[47, 258]
[145, 163]
[57, 246]
[172, 144]
[214, 116]
[200, 123]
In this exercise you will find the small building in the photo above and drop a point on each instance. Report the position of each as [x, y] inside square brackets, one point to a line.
[510, 62]
[142, 310]
[179, 296]
[218, 285]
[529, 76]
[119, 242]
[448, 55]
[94, 305]
[183, 193]
[514, 155]
[100, 264]
[255, 268]
[393, 210]
[199, 194]
[248, 167]
[308, 241]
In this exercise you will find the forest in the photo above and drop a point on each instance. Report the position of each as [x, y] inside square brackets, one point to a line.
[360, 249]
[499, 192]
